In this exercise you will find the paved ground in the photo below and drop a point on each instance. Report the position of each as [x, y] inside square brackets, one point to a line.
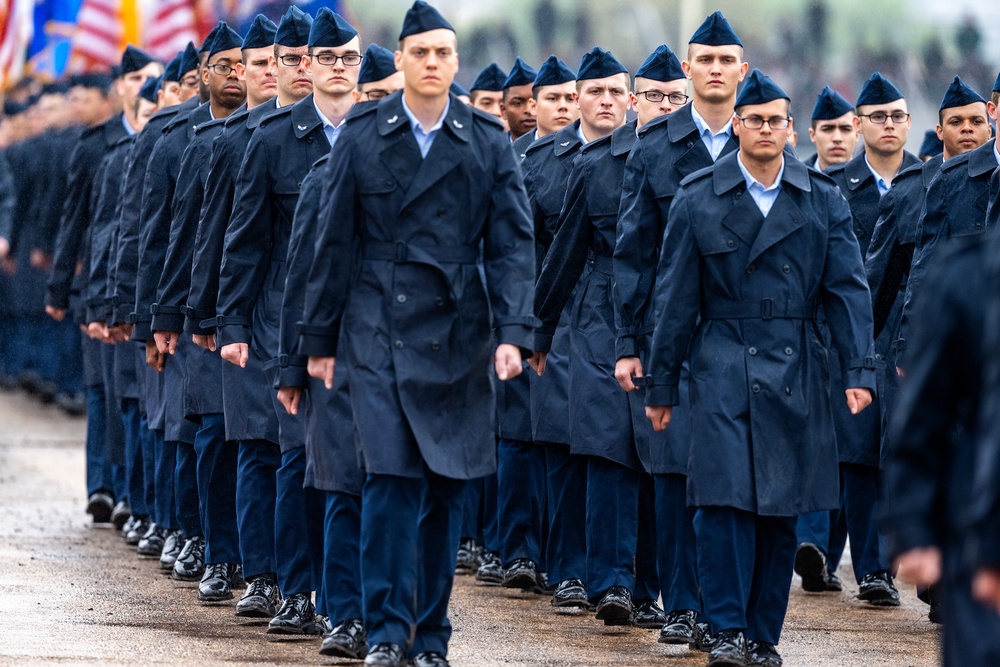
[72, 594]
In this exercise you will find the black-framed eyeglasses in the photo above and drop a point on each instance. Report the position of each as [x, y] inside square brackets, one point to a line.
[756, 122]
[222, 70]
[375, 95]
[290, 59]
[879, 117]
[330, 59]
[656, 96]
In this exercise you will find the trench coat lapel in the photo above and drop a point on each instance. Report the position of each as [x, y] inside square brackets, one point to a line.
[445, 153]
[785, 216]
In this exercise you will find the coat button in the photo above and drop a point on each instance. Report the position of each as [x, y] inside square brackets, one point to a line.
[788, 390]
[309, 140]
[751, 268]
[788, 351]
[435, 346]
[752, 351]
[979, 225]
[731, 243]
[859, 232]
[389, 184]
[398, 344]
[438, 301]
[401, 298]
[298, 185]
[441, 212]
[739, 194]
[755, 388]
[786, 268]
[407, 212]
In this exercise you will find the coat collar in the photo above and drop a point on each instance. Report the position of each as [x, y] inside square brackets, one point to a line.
[567, 140]
[857, 172]
[390, 116]
[304, 117]
[727, 174]
[930, 169]
[623, 139]
[256, 115]
[983, 160]
[680, 123]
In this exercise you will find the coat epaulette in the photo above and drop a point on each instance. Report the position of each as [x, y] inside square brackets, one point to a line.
[238, 117]
[593, 144]
[482, 115]
[697, 175]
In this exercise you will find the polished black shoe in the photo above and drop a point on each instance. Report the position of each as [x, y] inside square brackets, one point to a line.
[74, 405]
[833, 582]
[810, 564]
[140, 528]
[172, 545]
[615, 607]
[120, 514]
[679, 628]
[190, 563]
[129, 525]
[386, 655]
[430, 659]
[522, 574]
[542, 585]
[470, 555]
[297, 616]
[260, 599]
[348, 640]
[704, 639]
[649, 615]
[730, 649]
[491, 571]
[763, 655]
[152, 541]
[99, 506]
[216, 583]
[323, 626]
[877, 589]
[570, 593]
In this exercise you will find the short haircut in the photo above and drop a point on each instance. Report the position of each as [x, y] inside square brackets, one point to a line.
[739, 110]
[628, 81]
[691, 46]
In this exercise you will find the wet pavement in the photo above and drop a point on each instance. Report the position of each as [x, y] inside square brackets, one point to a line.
[75, 594]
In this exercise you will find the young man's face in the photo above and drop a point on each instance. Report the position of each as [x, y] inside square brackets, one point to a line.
[89, 106]
[129, 84]
[603, 103]
[373, 91]
[882, 134]
[765, 143]
[834, 139]
[714, 71]
[963, 128]
[335, 69]
[224, 86]
[518, 110]
[555, 107]
[259, 73]
[488, 101]
[429, 62]
[652, 98]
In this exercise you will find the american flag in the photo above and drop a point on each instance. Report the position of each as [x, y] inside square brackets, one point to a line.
[172, 24]
[98, 37]
[15, 34]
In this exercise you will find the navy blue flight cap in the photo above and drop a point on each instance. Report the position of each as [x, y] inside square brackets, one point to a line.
[715, 31]
[225, 39]
[553, 72]
[878, 90]
[959, 94]
[172, 72]
[149, 88]
[421, 17]
[490, 79]
[13, 108]
[293, 28]
[379, 63]
[190, 60]
[760, 89]
[996, 85]
[598, 64]
[330, 29]
[261, 33]
[210, 37]
[101, 82]
[134, 59]
[931, 145]
[661, 65]
[458, 91]
[520, 75]
[56, 88]
[830, 105]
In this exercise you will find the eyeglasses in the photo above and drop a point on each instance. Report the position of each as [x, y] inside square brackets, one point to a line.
[375, 95]
[190, 82]
[879, 117]
[290, 60]
[222, 70]
[656, 96]
[756, 122]
[330, 59]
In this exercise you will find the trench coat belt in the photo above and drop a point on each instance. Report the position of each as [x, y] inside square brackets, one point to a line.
[603, 264]
[433, 256]
[765, 309]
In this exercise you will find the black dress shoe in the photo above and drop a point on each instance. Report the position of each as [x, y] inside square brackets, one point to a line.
[430, 659]
[491, 571]
[470, 555]
[763, 654]
[129, 525]
[216, 583]
[877, 589]
[704, 639]
[297, 616]
[833, 582]
[810, 564]
[542, 585]
[260, 599]
[570, 593]
[74, 405]
[522, 574]
[679, 628]
[99, 506]
[348, 640]
[649, 615]
[190, 563]
[140, 529]
[730, 650]
[152, 541]
[120, 514]
[615, 607]
[386, 655]
[172, 545]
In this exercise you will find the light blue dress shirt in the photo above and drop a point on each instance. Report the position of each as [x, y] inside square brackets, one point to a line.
[883, 187]
[329, 129]
[128, 128]
[713, 142]
[425, 138]
[763, 197]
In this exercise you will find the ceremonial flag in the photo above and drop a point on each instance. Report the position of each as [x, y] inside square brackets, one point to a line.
[16, 27]
[100, 31]
[173, 23]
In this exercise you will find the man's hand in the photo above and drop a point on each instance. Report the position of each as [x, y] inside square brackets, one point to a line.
[920, 567]
[99, 331]
[8, 265]
[659, 415]
[986, 588]
[322, 368]
[626, 369]
[120, 333]
[166, 341]
[206, 341]
[236, 353]
[507, 361]
[4, 247]
[40, 260]
[55, 313]
[858, 399]
[153, 357]
[290, 397]
[537, 362]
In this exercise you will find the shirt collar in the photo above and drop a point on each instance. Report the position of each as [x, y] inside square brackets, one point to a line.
[996, 153]
[322, 117]
[883, 186]
[128, 128]
[753, 183]
[703, 126]
[415, 124]
[579, 133]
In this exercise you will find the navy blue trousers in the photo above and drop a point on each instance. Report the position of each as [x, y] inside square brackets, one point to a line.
[491, 513]
[135, 473]
[342, 557]
[299, 516]
[612, 526]
[745, 566]
[114, 429]
[971, 632]
[217, 462]
[166, 464]
[472, 511]
[860, 493]
[70, 375]
[647, 575]
[148, 443]
[98, 466]
[676, 544]
[826, 529]
[521, 500]
[410, 531]
[566, 483]
[259, 461]
[187, 502]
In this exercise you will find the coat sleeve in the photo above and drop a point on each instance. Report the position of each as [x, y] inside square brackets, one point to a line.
[127, 251]
[98, 308]
[74, 222]
[7, 198]
[887, 263]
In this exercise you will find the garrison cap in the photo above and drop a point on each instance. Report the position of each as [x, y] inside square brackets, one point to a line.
[878, 90]
[56, 88]
[553, 72]
[100, 81]
[11, 108]
[379, 63]
[830, 105]
[715, 31]
[172, 71]
[760, 89]
[261, 33]
[210, 37]
[931, 145]
[330, 29]
[490, 79]
[189, 61]
[134, 59]
[150, 88]
[225, 39]
[959, 94]
[520, 75]
[661, 65]
[421, 17]
[457, 90]
[996, 85]
[598, 64]
[293, 28]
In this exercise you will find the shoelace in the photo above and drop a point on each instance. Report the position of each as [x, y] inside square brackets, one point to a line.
[216, 570]
[259, 586]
